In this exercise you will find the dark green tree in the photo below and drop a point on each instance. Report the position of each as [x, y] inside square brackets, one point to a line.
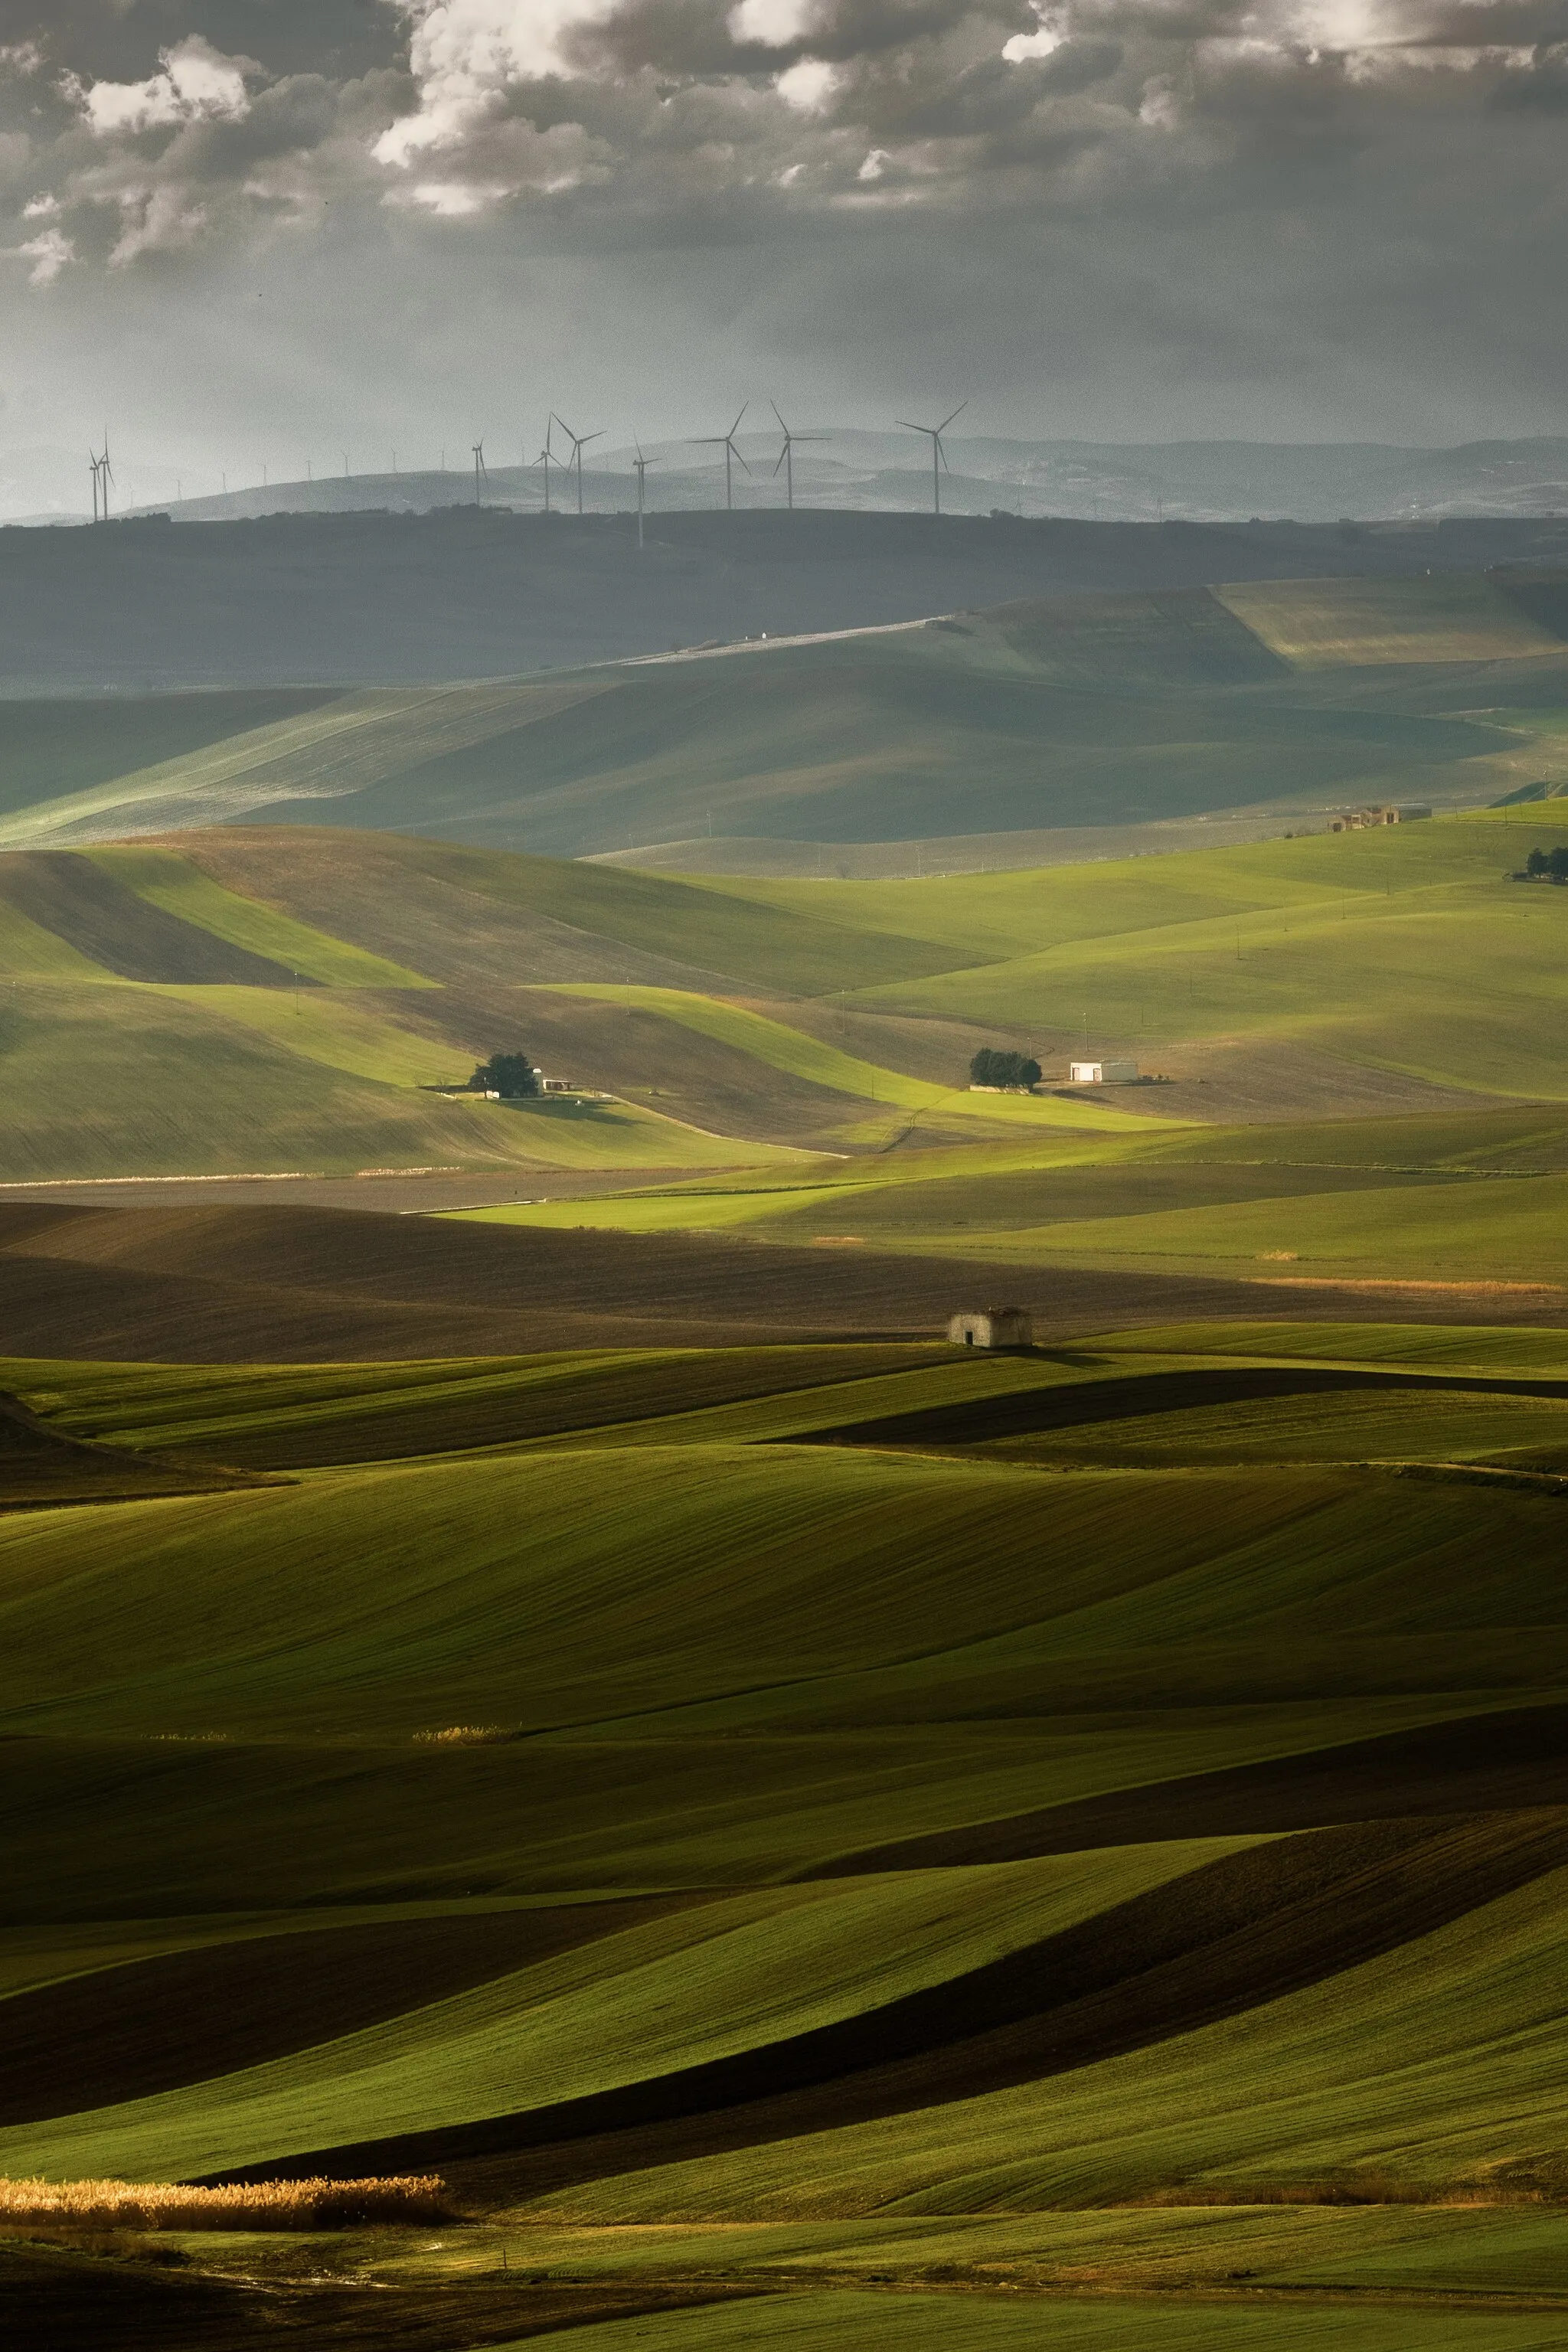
[505, 1073]
[991, 1068]
[1536, 862]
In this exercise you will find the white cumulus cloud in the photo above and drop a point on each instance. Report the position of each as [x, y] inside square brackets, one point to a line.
[466, 54]
[48, 254]
[808, 87]
[197, 84]
[1050, 33]
[773, 23]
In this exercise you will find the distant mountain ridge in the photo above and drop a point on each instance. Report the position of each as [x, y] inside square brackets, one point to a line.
[1206, 481]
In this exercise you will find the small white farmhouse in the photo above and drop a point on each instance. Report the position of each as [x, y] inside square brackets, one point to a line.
[1102, 1073]
[992, 1327]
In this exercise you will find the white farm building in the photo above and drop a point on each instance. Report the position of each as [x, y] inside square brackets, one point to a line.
[1102, 1073]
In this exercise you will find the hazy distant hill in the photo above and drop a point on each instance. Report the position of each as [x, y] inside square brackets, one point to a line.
[854, 471]
[1259, 706]
[394, 599]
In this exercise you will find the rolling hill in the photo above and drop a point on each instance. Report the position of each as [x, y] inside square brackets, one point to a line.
[1057, 725]
[298, 1002]
[761, 1833]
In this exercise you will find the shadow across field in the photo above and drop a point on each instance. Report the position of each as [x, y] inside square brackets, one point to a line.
[1027, 1413]
[1516, 1758]
[213, 1284]
[40, 1466]
[157, 2024]
[1233, 1933]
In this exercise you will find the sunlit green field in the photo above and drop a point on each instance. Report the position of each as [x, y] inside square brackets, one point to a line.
[1068, 1839]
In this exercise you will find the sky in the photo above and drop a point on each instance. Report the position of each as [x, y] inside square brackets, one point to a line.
[249, 232]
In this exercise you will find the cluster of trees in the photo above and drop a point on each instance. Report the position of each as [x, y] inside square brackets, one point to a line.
[1552, 863]
[505, 1073]
[992, 1068]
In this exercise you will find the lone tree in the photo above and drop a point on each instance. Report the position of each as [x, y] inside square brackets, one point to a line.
[991, 1068]
[1550, 862]
[505, 1073]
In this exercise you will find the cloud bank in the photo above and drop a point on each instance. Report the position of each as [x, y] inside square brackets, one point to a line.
[1191, 189]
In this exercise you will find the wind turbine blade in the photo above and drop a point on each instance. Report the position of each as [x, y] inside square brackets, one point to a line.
[736, 426]
[596, 437]
[948, 420]
[783, 453]
[783, 428]
[740, 460]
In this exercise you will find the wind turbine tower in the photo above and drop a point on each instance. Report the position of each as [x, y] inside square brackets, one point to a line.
[641, 465]
[938, 454]
[726, 441]
[547, 458]
[787, 455]
[105, 474]
[92, 468]
[482, 473]
[579, 443]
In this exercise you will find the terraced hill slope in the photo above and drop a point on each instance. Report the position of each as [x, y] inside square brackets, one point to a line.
[757, 1829]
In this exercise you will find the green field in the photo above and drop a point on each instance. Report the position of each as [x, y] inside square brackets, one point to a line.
[248, 999]
[818, 1836]
[1063, 1843]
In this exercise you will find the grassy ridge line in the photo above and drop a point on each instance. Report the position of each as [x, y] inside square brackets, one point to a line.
[1508, 2250]
[214, 1078]
[335, 1027]
[875, 2320]
[1009, 914]
[398, 1411]
[351, 743]
[676, 1992]
[1510, 1230]
[802, 1056]
[823, 1584]
[1435, 2060]
[173, 883]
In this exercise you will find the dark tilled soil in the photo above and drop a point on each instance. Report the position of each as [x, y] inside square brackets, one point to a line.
[257, 1283]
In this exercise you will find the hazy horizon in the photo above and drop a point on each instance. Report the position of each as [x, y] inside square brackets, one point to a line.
[242, 237]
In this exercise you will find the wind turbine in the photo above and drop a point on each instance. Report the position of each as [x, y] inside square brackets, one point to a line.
[641, 465]
[105, 473]
[937, 452]
[482, 473]
[547, 457]
[787, 455]
[726, 441]
[579, 443]
[92, 468]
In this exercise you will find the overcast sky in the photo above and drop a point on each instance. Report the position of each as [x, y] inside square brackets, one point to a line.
[259, 230]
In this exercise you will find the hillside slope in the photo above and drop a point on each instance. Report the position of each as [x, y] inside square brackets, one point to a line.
[1060, 721]
[938, 1882]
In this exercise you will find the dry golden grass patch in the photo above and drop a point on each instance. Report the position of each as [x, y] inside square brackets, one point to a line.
[466, 1735]
[315, 2204]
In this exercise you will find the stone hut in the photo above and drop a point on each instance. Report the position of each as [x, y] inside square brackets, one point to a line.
[991, 1327]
